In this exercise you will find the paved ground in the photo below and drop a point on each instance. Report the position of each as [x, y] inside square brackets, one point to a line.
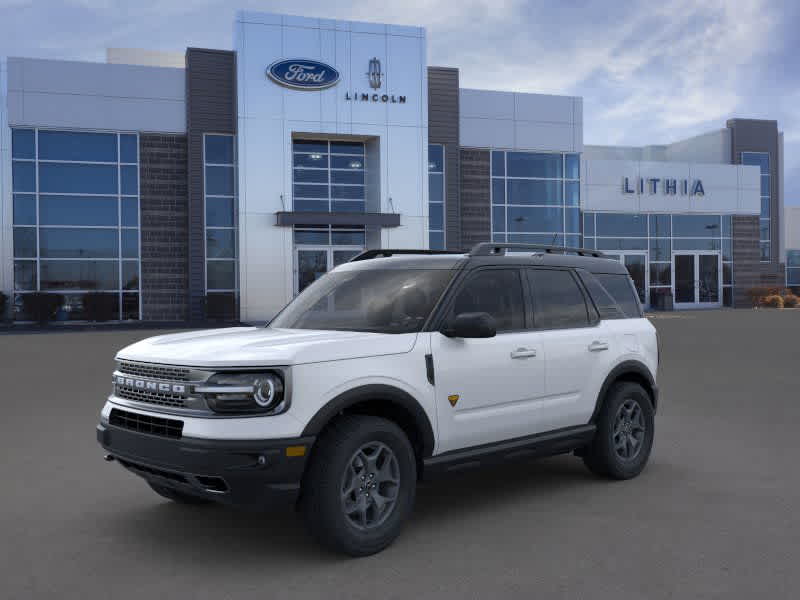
[715, 515]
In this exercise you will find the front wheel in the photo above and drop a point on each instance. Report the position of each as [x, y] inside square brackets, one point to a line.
[624, 437]
[360, 485]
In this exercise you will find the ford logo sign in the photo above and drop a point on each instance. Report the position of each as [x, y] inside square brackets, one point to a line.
[303, 74]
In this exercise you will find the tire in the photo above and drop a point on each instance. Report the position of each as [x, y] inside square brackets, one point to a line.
[625, 418]
[175, 495]
[342, 510]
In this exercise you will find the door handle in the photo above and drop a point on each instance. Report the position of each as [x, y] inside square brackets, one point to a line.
[523, 353]
[597, 346]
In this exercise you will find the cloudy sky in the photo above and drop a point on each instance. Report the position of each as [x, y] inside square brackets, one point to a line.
[649, 72]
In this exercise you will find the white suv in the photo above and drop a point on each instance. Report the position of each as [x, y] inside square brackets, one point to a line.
[397, 365]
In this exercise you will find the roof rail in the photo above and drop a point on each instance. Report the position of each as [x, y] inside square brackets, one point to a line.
[491, 249]
[386, 252]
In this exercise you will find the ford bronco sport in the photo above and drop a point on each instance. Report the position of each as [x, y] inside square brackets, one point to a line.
[397, 365]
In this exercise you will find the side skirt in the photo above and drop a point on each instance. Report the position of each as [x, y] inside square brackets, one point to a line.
[540, 445]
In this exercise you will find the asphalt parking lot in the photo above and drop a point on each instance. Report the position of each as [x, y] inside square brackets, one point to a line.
[715, 515]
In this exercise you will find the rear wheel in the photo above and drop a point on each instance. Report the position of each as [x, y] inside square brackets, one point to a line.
[625, 429]
[360, 486]
[176, 496]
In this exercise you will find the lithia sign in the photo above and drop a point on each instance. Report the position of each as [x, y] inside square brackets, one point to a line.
[306, 74]
[667, 186]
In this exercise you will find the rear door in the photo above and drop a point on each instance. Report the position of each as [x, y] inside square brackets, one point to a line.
[578, 347]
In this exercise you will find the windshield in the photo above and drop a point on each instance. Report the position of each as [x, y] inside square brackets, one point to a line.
[373, 300]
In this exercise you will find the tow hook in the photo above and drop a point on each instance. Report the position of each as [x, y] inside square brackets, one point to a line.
[108, 457]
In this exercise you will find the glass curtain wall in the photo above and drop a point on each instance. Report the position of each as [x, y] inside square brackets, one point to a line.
[793, 270]
[436, 239]
[761, 160]
[76, 220]
[328, 176]
[535, 198]
[660, 235]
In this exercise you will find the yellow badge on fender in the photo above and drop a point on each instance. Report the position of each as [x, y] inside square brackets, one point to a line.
[452, 398]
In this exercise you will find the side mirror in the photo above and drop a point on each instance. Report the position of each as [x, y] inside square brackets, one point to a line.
[471, 325]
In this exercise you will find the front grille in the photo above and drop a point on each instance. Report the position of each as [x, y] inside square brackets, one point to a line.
[159, 398]
[170, 428]
[164, 372]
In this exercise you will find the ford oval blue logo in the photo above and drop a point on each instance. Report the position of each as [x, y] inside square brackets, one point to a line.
[303, 74]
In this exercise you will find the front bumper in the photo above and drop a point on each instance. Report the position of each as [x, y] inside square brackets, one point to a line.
[247, 473]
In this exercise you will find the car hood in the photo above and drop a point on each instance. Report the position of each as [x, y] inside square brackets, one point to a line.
[263, 346]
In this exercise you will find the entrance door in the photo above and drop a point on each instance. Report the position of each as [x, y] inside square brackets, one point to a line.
[697, 279]
[311, 263]
[636, 263]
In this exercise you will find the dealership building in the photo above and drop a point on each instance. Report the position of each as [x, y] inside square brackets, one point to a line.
[218, 184]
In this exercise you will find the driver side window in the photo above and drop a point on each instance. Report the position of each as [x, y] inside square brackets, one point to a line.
[497, 292]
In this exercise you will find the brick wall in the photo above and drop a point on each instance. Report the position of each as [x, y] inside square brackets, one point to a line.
[748, 271]
[476, 216]
[165, 231]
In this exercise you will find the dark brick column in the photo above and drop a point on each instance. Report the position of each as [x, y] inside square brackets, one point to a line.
[476, 216]
[746, 254]
[165, 226]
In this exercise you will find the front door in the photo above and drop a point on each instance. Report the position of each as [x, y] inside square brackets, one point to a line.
[311, 263]
[636, 263]
[697, 279]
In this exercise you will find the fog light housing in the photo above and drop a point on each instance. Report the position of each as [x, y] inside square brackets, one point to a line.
[244, 393]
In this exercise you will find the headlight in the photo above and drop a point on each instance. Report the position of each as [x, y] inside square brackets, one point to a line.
[245, 393]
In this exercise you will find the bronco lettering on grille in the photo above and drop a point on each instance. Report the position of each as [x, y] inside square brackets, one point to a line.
[152, 386]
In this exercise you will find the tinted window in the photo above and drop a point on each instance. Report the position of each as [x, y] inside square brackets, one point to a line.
[558, 301]
[621, 289]
[529, 164]
[66, 178]
[606, 305]
[497, 292]
[624, 225]
[74, 145]
[77, 210]
[219, 149]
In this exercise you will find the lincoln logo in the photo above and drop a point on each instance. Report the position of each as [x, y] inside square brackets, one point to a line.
[301, 74]
[150, 386]
[374, 74]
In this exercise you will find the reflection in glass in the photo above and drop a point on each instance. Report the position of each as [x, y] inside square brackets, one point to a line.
[80, 275]
[221, 274]
[220, 243]
[77, 210]
[66, 178]
[56, 242]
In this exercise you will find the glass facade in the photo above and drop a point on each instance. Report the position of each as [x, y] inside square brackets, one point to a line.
[328, 176]
[793, 269]
[76, 219]
[535, 198]
[657, 236]
[219, 158]
[761, 160]
[436, 192]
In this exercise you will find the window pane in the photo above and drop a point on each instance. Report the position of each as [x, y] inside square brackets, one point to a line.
[23, 144]
[660, 226]
[75, 145]
[311, 237]
[311, 175]
[436, 216]
[727, 225]
[219, 149]
[793, 277]
[348, 238]
[696, 225]
[557, 300]
[318, 161]
[345, 162]
[347, 192]
[727, 249]
[352, 177]
[436, 240]
[220, 243]
[765, 251]
[310, 146]
[78, 243]
[347, 148]
[624, 225]
[621, 289]
[573, 241]
[498, 218]
[727, 273]
[128, 149]
[498, 163]
[498, 191]
[79, 275]
[661, 274]
[759, 159]
[311, 205]
[793, 258]
[524, 219]
[765, 185]
[521, 191]
[435, 158]
[695, 244]
[221, 274]
[436, 187]
[310, 191]
[550, 239]
[763, 229]
[606, 305]
[497, 292]
[622, 243]
[25, 242]
[25, 275]
[77, 210]
[765, 208]
[727, 297]
[573, 166]
[660, 249]
[130, 212]
[130, 307]
[23, 176]
[529, 164]
[130, 243]
[219, 181]
[130, 274]
[588, 224]
[572, 220]
[572, 189]
[219, 212]
[348, 206]
[24, 209]
[129, 180]
[77, 179]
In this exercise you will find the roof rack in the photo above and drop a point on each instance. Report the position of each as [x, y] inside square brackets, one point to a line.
[386, 252]
[491, 249]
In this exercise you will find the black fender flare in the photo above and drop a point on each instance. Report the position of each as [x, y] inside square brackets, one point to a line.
[372, 392]
[629, 367]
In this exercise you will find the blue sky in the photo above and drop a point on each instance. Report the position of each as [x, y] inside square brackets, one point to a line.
[649, 72]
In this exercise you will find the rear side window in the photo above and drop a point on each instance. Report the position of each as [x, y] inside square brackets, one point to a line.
[497, 292]
[558, 302]
[621, 289]
[606, 305]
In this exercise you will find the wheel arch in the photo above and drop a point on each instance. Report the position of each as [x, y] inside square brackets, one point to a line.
[630, 370]
[384, 401]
